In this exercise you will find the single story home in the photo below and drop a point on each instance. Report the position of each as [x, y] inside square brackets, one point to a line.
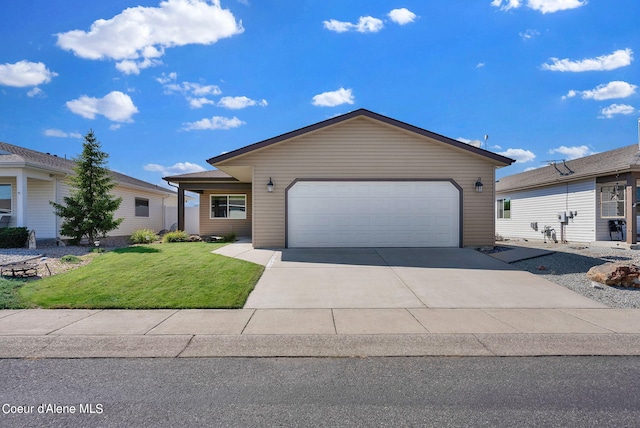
[582, 200]
[30, 179]
[356, 180]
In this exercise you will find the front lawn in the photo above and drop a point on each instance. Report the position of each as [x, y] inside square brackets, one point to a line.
[175, 275]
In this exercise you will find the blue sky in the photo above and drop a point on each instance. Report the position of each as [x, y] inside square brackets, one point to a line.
[167, 85]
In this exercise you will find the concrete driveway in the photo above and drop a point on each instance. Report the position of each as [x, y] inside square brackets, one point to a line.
[398, 278]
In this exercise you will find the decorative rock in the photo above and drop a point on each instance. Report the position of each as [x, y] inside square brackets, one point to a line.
[32, 240]
[616, 274]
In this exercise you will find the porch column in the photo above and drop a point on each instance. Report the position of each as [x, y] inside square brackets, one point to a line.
[21, 200]
[631, 201]
[180, 208]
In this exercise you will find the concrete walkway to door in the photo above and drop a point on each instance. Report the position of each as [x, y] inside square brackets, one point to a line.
[375, 278]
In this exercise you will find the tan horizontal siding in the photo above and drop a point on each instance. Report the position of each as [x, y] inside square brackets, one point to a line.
[222, 226]
[366, 149]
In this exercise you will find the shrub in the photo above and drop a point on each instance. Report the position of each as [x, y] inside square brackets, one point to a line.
[70, 258]
[177, 236]
[229, 237]
[13, 237]
[143, 236]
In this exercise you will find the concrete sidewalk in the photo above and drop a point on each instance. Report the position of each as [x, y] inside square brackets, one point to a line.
[42, 333]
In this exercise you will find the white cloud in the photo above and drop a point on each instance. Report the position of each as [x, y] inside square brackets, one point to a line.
[167, 78]
[520, 155]
[114, 127]
[506, 4]
[543, 6]
[115, 106]
[194, 93]
[480, 65]
[199, 102]
[35, 92]
[572, 152]
[551, 6]
[615, 89]
[216, 122]
[366, 24]
[137, 37]
[334, 98]
[474, 143]
[175, 169]
[25, 73]
[57, 133]
[614, 109]
[402, 16]
[619, 58]
[529, 34]
[170, 85]
[235, 103]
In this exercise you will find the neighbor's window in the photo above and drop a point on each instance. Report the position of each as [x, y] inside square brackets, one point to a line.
[504, 208]
[229, 206]
[5, 198]
[142, 207]
[612, 201]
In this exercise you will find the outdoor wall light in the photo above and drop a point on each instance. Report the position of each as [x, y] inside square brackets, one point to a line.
[270, 186]
[478, 185]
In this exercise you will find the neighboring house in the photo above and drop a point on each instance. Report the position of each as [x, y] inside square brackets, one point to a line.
[356, 180]
[573, 201]
[30, 179]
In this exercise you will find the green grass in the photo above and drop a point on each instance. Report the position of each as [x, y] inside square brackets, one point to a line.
[176, 275]
[9, 298]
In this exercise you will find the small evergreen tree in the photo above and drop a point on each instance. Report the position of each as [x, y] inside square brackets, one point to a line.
[89, 210]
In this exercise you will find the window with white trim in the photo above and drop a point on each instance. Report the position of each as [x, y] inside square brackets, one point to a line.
[5, 198]
[504, 208]
[142, 207]
[229, 206]
[612, 201]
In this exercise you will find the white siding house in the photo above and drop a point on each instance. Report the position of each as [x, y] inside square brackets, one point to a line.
[29, 180]
[575, 201]
[536, 210]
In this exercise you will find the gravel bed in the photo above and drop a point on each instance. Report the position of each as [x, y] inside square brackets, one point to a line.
[569, 264]
[48, 257]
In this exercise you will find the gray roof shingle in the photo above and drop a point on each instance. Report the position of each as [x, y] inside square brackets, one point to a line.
[610, 162]
[12, 155]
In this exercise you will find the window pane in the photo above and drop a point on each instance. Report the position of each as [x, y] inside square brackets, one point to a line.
[218, 206]
[142, 207]
[612, 201]
[5, 198]
[237, 207]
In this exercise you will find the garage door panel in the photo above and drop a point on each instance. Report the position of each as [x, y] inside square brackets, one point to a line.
[365, 214]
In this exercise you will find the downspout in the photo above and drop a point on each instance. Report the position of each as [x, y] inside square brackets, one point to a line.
[180, 204]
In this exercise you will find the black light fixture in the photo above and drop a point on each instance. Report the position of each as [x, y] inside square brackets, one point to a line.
[478, 185]
[270, 186]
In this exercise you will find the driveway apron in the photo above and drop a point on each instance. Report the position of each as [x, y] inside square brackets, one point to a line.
[342, 278]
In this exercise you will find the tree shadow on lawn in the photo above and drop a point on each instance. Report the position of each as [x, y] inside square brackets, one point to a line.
[136, 250]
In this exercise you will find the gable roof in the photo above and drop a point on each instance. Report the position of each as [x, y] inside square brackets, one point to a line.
[16, 156]
[354, 114]
[610, 162]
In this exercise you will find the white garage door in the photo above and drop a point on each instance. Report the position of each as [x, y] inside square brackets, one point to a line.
[373, 214]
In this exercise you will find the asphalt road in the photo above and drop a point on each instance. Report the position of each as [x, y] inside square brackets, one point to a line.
[547, 391]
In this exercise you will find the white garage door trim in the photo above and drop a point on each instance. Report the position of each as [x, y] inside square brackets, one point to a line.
[373, 213]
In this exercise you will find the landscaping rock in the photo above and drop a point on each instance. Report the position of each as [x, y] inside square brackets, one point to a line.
[616, 274]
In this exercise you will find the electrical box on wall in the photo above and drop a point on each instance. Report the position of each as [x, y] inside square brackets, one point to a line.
[562, 217]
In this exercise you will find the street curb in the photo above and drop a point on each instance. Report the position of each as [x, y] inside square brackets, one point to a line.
[382, 345]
